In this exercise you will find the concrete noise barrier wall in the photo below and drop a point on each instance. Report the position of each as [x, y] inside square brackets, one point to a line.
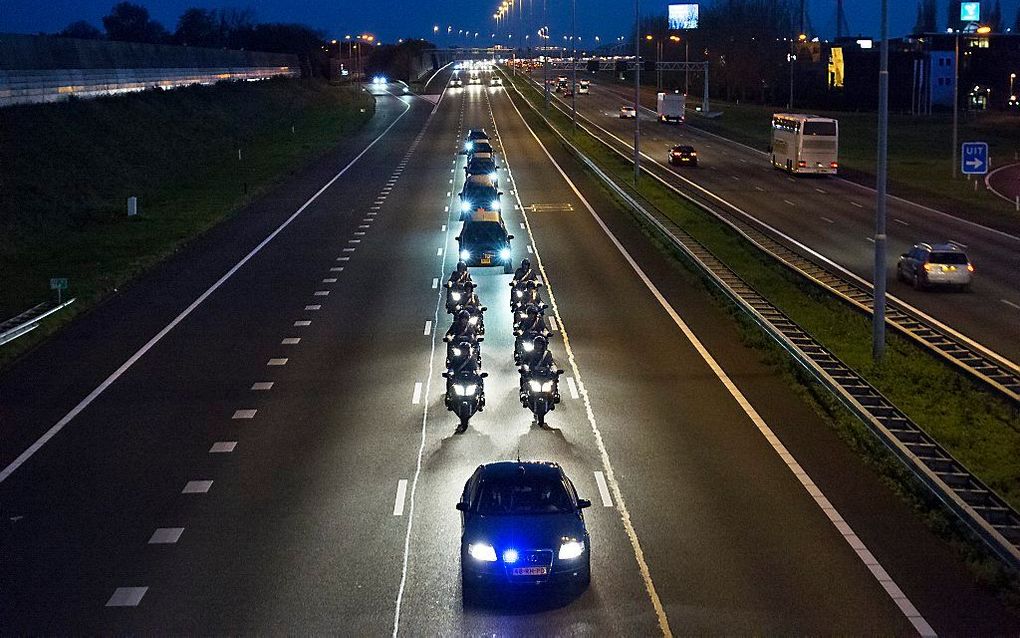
[46, 68]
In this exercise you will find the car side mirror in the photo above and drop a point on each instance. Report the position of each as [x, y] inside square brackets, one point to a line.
[446, 339]
[484, 308]
[446, 375]
[559, 372]
[479, 339]
[500, 193]
[509, 236]
[583, 503]
[462, 506]
[457, 238]
[484, 375]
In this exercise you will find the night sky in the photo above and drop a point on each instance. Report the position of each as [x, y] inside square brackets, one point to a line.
[392, 19]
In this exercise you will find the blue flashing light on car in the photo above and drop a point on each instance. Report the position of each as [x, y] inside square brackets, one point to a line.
[510, 556]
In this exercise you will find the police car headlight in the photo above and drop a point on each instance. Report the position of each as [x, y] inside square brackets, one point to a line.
[465, 207]
[465, 255]
[571, 549]
[495, 204]
[482, 551]
[504, 254]
[493, 176]
[469, 145]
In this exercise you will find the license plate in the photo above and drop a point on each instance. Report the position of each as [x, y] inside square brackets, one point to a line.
[486, 261]
[530, 571]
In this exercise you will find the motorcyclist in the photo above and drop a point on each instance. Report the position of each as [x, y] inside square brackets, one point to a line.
[459, 276]
[532, 321]
[462, 327]
[525, 273]
[529, 296]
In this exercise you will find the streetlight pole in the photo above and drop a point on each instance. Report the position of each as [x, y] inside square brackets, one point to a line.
[637, 90]
[956, 95]
[687, 62]
[573, 62]
[878, 317]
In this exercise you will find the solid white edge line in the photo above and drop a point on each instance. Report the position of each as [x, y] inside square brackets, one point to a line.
[607, 466]
[398, 503]
[84, 403]
[600, 481]
[867, 558]
[424, 425]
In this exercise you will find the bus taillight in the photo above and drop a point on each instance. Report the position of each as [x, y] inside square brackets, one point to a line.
[801, 164]
[833, 164]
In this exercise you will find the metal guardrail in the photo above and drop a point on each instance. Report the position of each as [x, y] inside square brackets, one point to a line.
[29, 320]
[980, 508]
[993, 370]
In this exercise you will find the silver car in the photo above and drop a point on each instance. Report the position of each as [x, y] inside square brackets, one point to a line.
[928, 265]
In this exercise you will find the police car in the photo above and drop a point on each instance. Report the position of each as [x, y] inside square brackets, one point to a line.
[484, 241]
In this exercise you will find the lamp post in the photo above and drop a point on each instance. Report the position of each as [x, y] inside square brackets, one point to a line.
[793, 58]
[878, 316]
[573, 62]
[956, 92]
[1012, 77]
[637, 90]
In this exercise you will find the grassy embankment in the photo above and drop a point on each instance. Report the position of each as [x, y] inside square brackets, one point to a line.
[69, 168]
[975, 425]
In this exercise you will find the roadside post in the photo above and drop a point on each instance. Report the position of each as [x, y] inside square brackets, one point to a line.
[60, 285]
[132, 206]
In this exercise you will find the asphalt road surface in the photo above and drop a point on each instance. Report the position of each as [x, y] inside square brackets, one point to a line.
[266, 450]
[836, 218]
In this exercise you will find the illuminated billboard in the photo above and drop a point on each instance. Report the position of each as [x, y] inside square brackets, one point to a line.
[683, 16]
[970, 12]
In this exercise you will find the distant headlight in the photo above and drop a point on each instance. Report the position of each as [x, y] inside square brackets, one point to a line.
[570, 549]
[484, 552]
[379, 80]
[465, 207]
[494, 205]
[505, 255]
[465, 255]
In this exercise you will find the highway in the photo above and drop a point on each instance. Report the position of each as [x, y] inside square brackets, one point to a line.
[251, 439]
[834, 217]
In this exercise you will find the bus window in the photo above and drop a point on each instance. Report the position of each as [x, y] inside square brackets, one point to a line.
[820, 128]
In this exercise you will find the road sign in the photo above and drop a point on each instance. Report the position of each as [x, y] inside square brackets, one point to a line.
[58, 283]
[974, 158]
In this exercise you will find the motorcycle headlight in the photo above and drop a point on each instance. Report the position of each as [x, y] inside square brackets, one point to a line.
[465, 255]
[455, 351]
[547, 386]
[504, 254]
[465, 207]
[484, 552]
[494, 205]
[528, 346]
[519, 295]
[535, 385]
[473, 320]
[455, 296]
[471, 389]
[569, 550]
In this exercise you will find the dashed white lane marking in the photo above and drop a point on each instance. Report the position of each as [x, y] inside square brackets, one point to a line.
[398, 503]
[447, 193]
[442, 228]
[321, 293]
[826, 219]
[870, 239]
[956, 243]
[329, 280]
[552, 323]
[244, 414]
[759, 189]
[336, 269]
[1010, 303]
[358, 233]
[196, 487]
[373, 208]
[522, 225]
[126, 596]
[282, 361]
[446, 209]
[743, 160]
[529, 249]
[600, 480]
[572, 388]
[343, 258]
[852, 203]
[900, 221]
[822, 191]
[416, 397]
[354, 241]
[439, 252]
[367, 219]
[314, 306]
[301, 324]
[428, 328]
[222, 447]
[166, 535]
[261, 386]
[435, 283]
[734, 178]
[290, 341]
[348, 250]
[789, 202]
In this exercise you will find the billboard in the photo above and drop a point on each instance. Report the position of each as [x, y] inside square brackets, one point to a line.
[683, 16]
[970, 12]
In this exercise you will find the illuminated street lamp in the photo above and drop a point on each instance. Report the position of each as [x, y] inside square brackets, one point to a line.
[1012, 77]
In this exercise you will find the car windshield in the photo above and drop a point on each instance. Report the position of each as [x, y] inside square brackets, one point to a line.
[475, 192]
[524, 495]
[948, 258]
[481, 166]
[483, 233]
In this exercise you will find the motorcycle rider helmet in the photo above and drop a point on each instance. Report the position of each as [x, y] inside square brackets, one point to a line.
[525, 263]
[540, 342]
[463, 316]
[531, 285]
[461, 267]
[532, 311]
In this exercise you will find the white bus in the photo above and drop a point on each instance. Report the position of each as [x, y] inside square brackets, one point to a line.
[805, 143]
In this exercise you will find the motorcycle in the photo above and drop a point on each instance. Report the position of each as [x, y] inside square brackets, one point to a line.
[477, 318]
[540, 391]
[465, 394]
[525, 341]
[518, 289]
[522, 299]
[456, 293]
[461, 347]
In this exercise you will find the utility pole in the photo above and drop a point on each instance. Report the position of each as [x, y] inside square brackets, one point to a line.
[545, 58]
[573, 62]
[956, 96]
[878, 317]
[637, 90]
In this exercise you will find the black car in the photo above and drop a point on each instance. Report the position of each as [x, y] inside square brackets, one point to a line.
[683, 154]
[482, 166]
[456, 83]
[484, 241]
[475, 135]
[477, 196]
[480, 148]
[522, 524]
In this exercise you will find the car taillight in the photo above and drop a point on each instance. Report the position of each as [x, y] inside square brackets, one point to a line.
[801, 164]
[929, 267]
[970, 267]
[833, 164]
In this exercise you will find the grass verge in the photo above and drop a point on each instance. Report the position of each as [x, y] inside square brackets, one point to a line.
[70, 167]
[976, 426]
